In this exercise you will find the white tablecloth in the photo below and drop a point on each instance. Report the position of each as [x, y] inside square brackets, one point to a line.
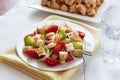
[20, 18]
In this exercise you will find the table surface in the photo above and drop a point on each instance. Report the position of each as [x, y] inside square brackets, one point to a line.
[19, 18]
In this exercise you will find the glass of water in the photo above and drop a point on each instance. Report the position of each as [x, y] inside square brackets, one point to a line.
[110, 44]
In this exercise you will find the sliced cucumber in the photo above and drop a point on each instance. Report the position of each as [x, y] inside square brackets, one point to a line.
[29, 41]
[78, 45]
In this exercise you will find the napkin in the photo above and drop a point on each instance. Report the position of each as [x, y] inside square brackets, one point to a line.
[10, 57]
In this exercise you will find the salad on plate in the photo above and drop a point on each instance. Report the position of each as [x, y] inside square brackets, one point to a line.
[54, 44]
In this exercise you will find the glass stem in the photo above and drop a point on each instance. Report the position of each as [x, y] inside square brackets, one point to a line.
[114, 51]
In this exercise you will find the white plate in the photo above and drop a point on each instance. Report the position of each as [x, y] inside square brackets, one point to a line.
[95, 19]
[40, 65]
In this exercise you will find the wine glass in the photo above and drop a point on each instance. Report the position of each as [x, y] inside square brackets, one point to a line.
[111, 35]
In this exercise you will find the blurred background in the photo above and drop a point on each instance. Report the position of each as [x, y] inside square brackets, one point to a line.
[6, 5]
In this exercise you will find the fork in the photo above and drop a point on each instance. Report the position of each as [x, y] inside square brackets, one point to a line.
[86, 55]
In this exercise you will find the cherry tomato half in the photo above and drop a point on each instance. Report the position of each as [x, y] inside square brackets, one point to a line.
[81, 34]
[52, 28]
[32, 53]
[51, 61]
[59, 47]
[69, 57]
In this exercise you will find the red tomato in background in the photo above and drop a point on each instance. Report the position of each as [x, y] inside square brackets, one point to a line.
[59, 47]
[81, 34]
[51, 61]
[53, 28]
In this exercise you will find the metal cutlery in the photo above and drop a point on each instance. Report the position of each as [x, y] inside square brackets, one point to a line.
[87, 53]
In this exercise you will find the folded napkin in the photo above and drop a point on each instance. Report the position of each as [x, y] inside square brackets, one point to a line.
[10, 57]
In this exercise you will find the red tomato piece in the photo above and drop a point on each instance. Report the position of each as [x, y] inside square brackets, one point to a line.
[51, 61]
[52, 28]
[81, 34]
[48, 41]
[32, 53]
[33, 34]
[69, 57]
[59, 47]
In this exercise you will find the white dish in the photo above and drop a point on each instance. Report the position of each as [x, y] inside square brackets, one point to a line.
[95, 19]
[68, 65]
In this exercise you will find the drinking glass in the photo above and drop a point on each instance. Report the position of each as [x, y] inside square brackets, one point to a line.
[110, 44]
